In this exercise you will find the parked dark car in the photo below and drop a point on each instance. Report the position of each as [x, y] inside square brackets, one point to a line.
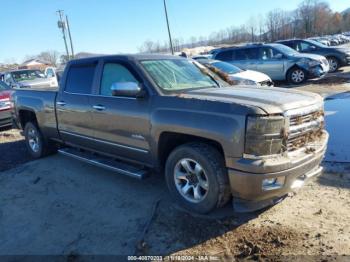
[336, 56]
[277, 61]
[5, 105]
[136, 114]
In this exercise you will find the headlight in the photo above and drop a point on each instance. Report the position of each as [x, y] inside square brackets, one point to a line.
[309, 62]
[264, 135]
[247, 82]
[314, 63]
[5, 104]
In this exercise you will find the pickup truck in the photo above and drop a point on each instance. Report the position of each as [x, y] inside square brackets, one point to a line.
[27, 78]
[144, 114]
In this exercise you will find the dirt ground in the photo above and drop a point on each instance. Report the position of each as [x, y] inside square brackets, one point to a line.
[61, 206]
[81, 209]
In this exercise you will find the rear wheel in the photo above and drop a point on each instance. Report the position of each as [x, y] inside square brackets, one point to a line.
[296, 75]
[36, 144]
[197, 177]
[333, 63]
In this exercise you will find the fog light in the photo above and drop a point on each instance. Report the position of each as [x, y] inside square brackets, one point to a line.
[272, 183]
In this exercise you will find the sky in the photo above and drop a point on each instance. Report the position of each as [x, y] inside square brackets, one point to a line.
[29, 27]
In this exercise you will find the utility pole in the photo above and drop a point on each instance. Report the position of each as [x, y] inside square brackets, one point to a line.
[167, 22]
[70, 37]
[62, 25]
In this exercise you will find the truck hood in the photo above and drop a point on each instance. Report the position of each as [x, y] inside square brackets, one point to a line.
[271, 100]
[250, 75]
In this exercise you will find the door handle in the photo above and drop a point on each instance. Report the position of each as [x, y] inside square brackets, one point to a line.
[99, 107]
[60, 103]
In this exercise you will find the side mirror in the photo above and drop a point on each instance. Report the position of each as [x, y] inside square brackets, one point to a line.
[127, 89]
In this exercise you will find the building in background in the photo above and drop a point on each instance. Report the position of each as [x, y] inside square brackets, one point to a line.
[34, 64]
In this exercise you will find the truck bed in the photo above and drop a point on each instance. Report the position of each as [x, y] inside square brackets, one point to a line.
[42, 101]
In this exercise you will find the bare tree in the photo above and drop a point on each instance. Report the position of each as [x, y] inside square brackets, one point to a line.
[50, 56]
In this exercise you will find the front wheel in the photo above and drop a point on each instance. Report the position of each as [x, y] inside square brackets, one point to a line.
[333, 64]
[197, 177]
[296, 76]
[37, 146]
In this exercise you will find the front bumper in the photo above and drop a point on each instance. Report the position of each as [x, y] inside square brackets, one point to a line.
[347, 60]
[247, 187]
[318, 71]
[5, 118]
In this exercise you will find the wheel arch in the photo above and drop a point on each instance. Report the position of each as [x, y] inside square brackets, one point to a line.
[26, 116]
[168, 141]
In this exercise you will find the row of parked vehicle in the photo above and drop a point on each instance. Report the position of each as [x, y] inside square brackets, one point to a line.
[332, 40]
[5, 105]
[294, 60]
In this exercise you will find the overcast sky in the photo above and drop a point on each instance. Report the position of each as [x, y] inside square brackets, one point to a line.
[121, 26]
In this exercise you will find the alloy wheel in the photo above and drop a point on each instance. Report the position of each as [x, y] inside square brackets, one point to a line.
[191, 180]
[333, 64]
[33, 140]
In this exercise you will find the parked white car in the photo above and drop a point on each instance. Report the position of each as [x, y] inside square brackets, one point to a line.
[239, 76]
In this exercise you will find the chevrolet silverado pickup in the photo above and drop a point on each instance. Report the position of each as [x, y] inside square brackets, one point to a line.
[143, 114]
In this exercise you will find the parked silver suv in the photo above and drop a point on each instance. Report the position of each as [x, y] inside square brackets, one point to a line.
[279, 62]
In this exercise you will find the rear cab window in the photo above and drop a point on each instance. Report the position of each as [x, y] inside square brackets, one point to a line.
[80, 79]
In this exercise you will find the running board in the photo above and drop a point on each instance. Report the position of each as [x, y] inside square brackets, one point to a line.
[107, 163]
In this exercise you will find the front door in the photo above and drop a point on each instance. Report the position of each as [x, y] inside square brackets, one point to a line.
[121, 124]
[271, 62]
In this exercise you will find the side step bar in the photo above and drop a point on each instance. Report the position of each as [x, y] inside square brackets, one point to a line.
[104, 162]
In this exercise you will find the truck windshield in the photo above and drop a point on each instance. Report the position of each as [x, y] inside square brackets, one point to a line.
[27, 75]
[177, 74]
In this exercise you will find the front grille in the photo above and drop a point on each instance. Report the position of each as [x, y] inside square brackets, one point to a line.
[304, 129]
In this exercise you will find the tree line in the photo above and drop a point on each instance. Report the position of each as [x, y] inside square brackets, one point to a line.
[310, 18]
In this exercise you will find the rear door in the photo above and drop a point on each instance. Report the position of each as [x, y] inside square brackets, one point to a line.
[72, 105]
[121, 124]
[247, 58]
[271, 62]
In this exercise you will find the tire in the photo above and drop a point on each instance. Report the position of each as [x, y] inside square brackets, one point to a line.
[206, 186]
[36, 144]
[296, 76]
[333, 64]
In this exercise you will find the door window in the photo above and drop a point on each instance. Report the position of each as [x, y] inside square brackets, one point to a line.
[240, 54]
[80, 78]
[224, 55]
[251, 53]
[114, 73]
[268, 53]
[304, 46]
